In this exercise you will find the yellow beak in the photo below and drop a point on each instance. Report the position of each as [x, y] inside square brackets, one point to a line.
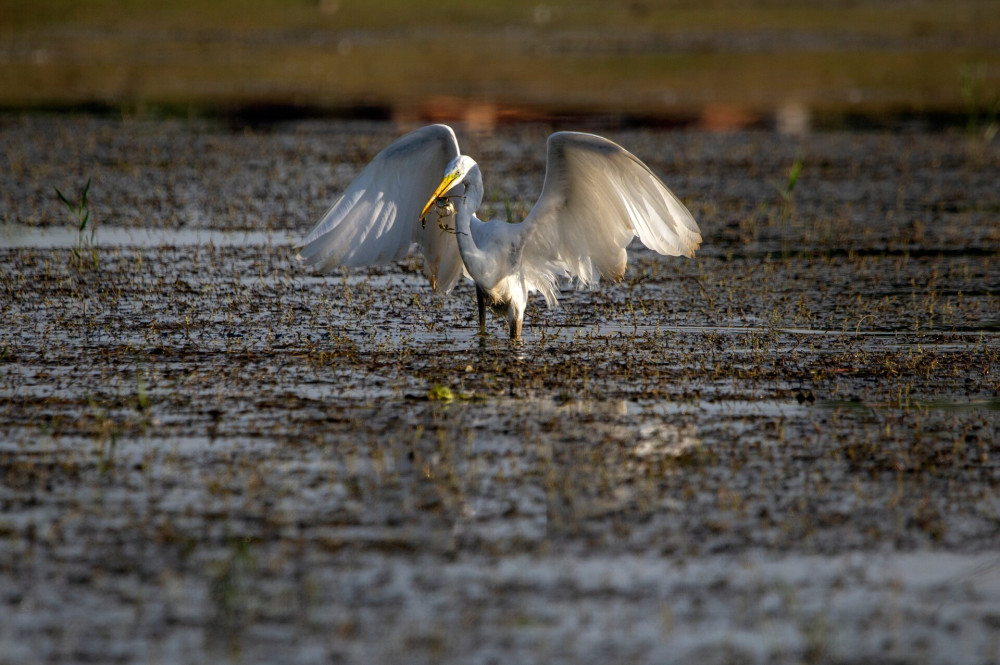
[445, 185]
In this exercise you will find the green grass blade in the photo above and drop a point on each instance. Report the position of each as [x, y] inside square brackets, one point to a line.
[793, 176]
[63, 198]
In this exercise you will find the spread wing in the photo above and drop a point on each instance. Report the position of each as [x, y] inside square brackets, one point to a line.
[597, 196]
[377, 219]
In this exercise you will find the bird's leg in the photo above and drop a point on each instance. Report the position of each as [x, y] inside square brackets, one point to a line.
[481, 304]
[515, 328]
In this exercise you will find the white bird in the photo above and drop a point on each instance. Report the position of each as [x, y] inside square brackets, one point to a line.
[596, 197]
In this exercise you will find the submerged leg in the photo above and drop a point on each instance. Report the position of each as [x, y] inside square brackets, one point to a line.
[515, 328]
[515, 317]
[481, 304]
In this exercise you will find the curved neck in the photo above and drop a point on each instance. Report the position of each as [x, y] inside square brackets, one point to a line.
[465, 210]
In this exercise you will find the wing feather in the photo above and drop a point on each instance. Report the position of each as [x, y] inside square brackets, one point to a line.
[377, 219]
[597, 196]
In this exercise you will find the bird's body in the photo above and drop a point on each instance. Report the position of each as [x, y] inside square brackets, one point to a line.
[597, 196]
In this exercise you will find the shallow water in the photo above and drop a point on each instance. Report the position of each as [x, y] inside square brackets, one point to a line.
[14, 236]
[781, 451]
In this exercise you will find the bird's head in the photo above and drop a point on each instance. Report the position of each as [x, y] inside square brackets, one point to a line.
[454, 175]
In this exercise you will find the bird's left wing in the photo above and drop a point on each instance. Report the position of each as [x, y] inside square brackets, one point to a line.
[597, 196]
[377, 218]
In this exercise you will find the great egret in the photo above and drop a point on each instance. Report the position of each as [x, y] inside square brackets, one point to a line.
[596, 197]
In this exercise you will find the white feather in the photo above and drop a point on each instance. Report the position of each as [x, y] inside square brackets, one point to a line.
[377, 219]
[597, 196]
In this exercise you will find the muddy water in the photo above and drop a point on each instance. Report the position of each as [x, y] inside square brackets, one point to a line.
[782, 451]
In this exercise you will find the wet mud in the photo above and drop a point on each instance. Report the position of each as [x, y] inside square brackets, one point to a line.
[784, 450]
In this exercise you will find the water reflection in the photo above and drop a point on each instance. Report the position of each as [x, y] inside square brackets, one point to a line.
[14, 236]
[663, 440]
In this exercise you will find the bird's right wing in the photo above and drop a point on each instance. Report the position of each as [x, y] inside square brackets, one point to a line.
[597, 196]
[377, 218]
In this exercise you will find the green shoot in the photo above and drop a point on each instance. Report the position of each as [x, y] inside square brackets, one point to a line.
[142, 393]
[786, 191]
[793, 177]
[81, 212]
[439, 393]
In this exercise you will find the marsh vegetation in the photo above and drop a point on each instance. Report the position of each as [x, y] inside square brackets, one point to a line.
[783, 450]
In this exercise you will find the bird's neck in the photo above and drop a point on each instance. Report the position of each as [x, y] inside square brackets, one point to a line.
[472, 255]
[475, 258]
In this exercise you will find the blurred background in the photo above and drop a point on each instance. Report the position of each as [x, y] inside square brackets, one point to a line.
[710, 63]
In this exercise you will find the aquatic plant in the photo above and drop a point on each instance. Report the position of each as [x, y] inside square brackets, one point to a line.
[84, 240]
[106, 431]
[441, 393]
[793, 177]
